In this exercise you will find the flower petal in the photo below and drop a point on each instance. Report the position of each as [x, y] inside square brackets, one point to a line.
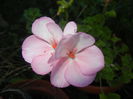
[85, 40]
[70, 28]
[32, 47]
[40, 29]
[40, 64]
[55, 30]
[76, 78]
[57, 74]
[75, 42]
[66, 44]
[90, 60]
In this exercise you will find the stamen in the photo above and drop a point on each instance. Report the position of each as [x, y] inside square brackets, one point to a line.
[54, 44]
[71, 54]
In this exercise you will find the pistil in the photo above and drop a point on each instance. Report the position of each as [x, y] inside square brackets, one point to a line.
[71, 54]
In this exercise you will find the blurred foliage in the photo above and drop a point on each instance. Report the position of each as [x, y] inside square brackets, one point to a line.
[109, 96]
[29, 16]
[63, 5]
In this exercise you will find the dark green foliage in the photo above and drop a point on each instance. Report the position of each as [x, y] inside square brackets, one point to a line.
[30, 15]
[109, 96]
[63, 5]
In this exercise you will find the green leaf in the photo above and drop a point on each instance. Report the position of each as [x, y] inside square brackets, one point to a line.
[107, 73]
[109, 96]
[102, 96]
[97, 19]
[111, 13]
[63, 5]
[62, 23]
[127, 60]
[124, 48]
[29, 16]
[100, 43]
[115, 39]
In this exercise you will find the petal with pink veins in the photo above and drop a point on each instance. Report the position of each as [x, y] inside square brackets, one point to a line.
[75, 77]
[85, 40]
[40, 29]
[70, 28]
[57, 74]
[40, 64]
[33, 46]
[90, 60]
[76, 42]
[55, 31]
[65, 45]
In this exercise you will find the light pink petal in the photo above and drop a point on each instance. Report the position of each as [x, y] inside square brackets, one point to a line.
[55, 31]
[40, 29]
[32, 47]
[76, 78]
[85, 40]
[90, 60]
[70, 28]
[66, 44]
[75, 42]
[40, 64]
[57, 74]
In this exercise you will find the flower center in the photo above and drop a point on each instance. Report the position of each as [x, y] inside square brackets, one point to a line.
[71, 54]
[54, 45]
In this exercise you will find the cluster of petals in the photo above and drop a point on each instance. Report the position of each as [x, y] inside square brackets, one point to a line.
[70, 56]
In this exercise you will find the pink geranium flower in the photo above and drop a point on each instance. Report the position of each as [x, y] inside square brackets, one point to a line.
[78, 61]
[70, 56]
[38, 48]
